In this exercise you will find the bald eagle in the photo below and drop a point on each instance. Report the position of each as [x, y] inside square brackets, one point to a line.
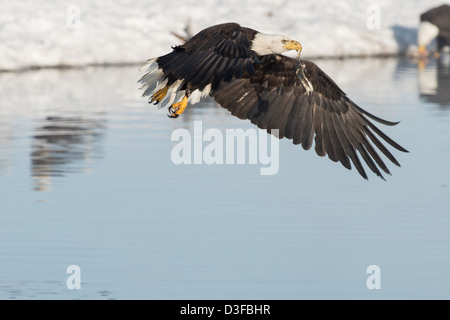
[246, 73]
[434, 24]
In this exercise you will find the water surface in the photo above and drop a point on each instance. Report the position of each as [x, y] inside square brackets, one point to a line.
[86, 179]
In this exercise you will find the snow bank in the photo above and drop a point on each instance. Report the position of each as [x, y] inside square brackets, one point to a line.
[77, 33]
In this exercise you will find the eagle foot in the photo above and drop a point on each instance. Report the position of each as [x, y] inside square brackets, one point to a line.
[158, 96]
[178, 108]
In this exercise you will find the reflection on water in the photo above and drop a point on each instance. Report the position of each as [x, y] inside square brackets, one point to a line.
[59, 144]
[141, 227]
[59, 118]
[68, 124]
[434, 81]
[6, 147]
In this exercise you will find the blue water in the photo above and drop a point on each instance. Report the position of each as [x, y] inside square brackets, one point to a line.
[87, 179]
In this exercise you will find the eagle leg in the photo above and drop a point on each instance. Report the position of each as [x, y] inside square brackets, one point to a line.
[178, 108]
[158, 96]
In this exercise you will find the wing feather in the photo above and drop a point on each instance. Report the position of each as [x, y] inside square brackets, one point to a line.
[272, 97]
[215, 54]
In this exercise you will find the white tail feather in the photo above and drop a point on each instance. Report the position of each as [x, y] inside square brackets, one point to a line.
[151, 81]
[180, 94]
[171, 94]
[148, 64]
[196, 95]
[154, 85]
[154, 80]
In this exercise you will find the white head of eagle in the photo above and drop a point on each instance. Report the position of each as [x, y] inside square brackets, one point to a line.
[264, 44]
[246, 73]
[434, 24]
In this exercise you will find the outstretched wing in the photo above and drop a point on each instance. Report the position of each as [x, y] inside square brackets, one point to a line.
[274, 98]
[211, 56]
[438, 16]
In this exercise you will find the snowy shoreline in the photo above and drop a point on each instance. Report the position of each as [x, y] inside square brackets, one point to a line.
[77, 34]
[139, 64]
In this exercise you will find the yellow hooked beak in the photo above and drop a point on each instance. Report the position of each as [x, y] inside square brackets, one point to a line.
[293, 45]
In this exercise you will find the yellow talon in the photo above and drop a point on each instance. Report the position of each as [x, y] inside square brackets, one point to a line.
[157, 97]
[178, 108]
